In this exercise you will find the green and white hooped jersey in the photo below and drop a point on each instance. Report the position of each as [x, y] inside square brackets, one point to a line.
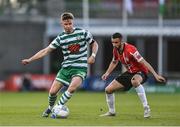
[74, 47]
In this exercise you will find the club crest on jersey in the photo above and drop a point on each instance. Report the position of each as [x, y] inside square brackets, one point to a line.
[78, 38]
[64, 41]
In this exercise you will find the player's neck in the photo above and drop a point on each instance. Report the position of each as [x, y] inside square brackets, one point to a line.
[69, 32]
[121, 48]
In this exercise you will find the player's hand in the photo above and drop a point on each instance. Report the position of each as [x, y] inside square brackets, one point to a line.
[25, 61]
[91, 60]
[161, 79]
[104, 76]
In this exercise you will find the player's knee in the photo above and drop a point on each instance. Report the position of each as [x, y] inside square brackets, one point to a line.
[108, 91]
[135, 82]
[72, 89]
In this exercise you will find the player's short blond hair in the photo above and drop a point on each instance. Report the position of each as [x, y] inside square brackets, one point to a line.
[67, 15]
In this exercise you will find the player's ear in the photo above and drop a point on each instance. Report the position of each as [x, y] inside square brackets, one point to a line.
[61, 22]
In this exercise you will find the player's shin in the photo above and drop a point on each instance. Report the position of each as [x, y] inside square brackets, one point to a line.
[52, 100]
[142, 95]
[65, 97]
[110, 99]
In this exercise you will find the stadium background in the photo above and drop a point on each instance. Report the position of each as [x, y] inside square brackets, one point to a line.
[28, 26]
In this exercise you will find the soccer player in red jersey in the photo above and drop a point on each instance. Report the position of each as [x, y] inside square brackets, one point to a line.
[136, 74]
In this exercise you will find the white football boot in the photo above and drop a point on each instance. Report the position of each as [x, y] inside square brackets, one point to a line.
[108, 114]
[147, 112]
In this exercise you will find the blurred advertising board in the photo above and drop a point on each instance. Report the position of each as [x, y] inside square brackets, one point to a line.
[33, 82]
[29, 82]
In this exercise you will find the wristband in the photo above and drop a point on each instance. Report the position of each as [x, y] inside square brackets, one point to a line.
[94, 55]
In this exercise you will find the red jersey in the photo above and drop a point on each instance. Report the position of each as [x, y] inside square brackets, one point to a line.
[131, 58]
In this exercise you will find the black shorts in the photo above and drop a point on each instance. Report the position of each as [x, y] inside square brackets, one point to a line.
[125, 79]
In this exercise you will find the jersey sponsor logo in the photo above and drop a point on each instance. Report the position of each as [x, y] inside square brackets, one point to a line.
[74, 48]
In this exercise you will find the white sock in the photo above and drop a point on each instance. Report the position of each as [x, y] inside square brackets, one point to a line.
[110, 99]
[142, 95]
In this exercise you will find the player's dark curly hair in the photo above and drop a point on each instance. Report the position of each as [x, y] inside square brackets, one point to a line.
[117, 35]
[67, 15]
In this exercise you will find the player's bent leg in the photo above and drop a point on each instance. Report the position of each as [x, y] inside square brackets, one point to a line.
[75, 83]
[113, 86]
[110, 97]
[136, 82]
[56, 86]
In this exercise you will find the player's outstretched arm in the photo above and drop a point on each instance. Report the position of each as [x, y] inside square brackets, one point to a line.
[38, 55]
[158, 77]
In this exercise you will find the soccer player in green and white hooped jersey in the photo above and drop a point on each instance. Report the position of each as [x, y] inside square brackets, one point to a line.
[74, 42]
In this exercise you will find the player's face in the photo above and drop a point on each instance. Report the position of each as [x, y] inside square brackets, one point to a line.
[67, 25]
[116, 42]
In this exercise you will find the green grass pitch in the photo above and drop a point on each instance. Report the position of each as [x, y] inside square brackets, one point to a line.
[85, 107]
